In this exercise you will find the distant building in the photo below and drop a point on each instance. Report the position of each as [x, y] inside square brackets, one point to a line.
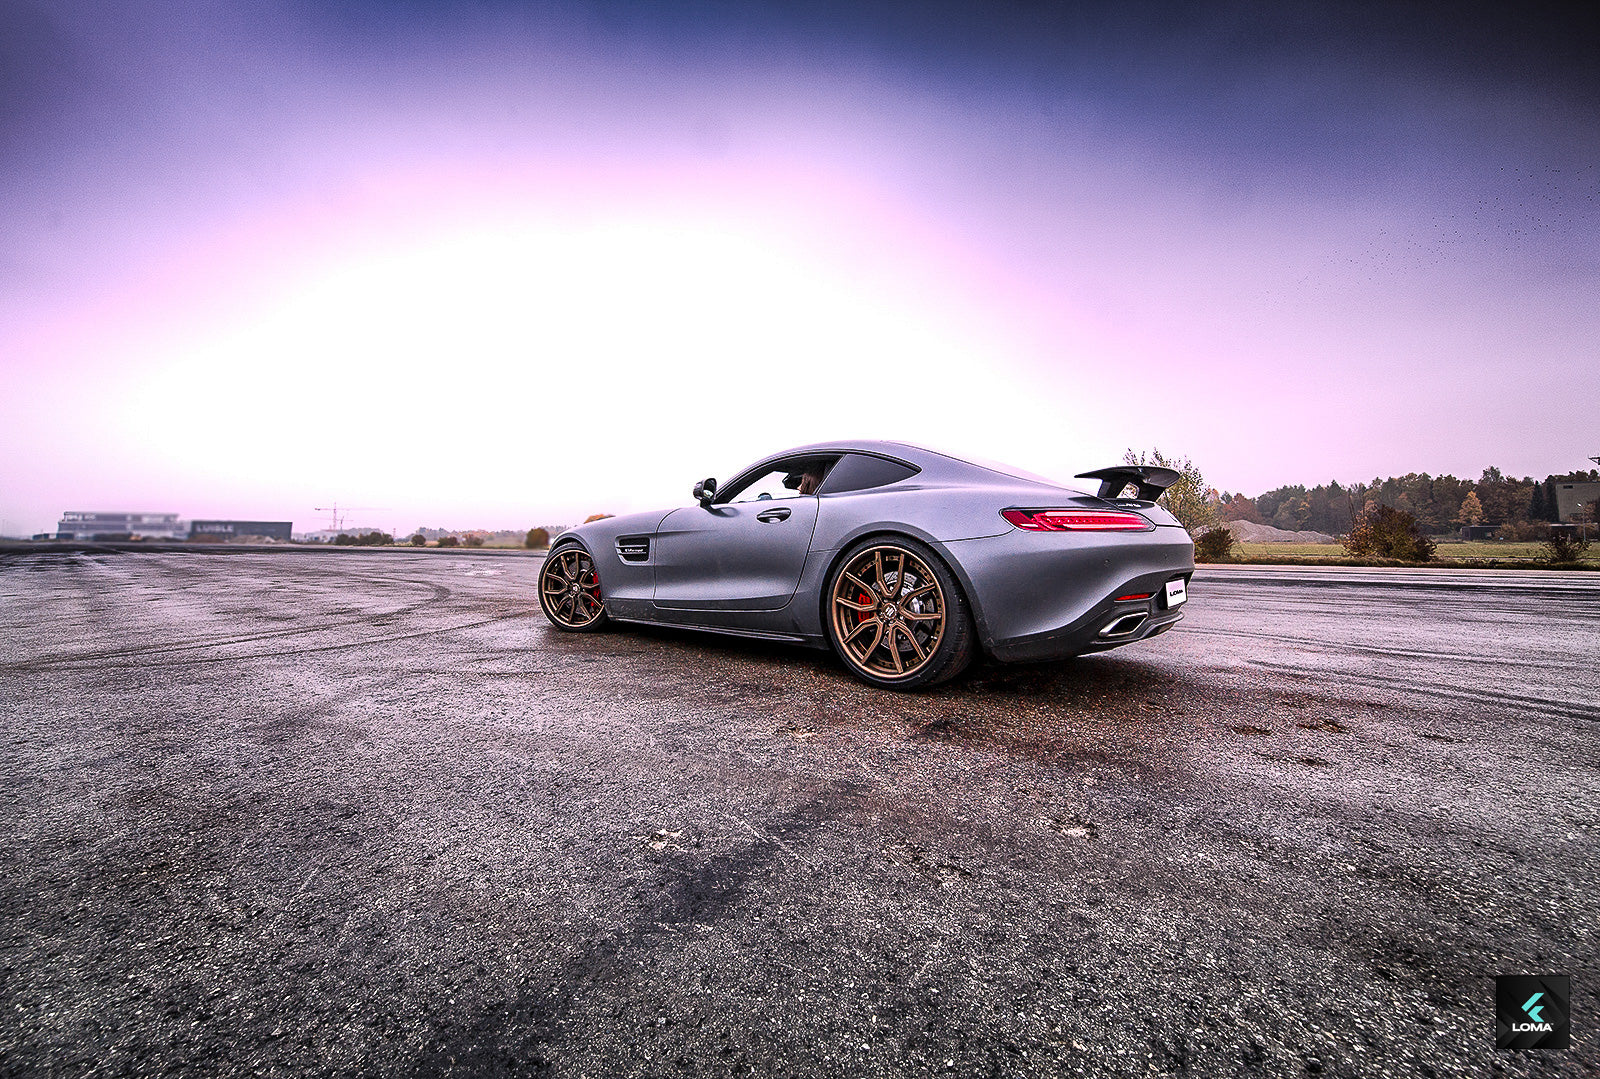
[222, 531]
[88, 525]
[1573, 497]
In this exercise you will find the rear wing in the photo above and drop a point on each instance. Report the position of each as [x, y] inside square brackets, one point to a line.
[1150, 479]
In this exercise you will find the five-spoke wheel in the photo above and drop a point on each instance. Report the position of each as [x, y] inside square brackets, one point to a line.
[569, 590]
[896, 616]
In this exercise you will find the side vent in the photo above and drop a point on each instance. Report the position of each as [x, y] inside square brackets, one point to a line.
[633, 548]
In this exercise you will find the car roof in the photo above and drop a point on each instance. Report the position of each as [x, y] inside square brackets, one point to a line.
[860, 445]
[934, 463]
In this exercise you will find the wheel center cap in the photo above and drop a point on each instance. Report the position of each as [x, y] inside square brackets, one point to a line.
[889, 612]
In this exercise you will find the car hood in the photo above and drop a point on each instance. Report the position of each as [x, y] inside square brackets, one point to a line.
[609, 528]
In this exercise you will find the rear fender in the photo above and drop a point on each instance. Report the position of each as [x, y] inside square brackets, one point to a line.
[820, 568]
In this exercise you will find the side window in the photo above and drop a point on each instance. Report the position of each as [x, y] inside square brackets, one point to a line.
[858, 472]
[787, 479]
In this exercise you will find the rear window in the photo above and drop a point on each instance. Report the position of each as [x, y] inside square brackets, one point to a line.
[858, 472]
[997, 467]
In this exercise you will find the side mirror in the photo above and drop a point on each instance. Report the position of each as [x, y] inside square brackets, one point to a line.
[705, 491]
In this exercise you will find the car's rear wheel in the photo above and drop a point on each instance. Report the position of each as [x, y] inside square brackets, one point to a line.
[569, 590]
[896, 615]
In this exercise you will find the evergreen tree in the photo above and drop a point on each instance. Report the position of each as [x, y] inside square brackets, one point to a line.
[1536, 511]
[1551, 508]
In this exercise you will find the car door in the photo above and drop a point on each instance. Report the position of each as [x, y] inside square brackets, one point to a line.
[742, 556]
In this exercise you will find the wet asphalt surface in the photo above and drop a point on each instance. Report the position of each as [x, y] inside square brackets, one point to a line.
[366, 813]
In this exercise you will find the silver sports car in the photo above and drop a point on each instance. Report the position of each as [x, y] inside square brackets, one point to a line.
[905, 561]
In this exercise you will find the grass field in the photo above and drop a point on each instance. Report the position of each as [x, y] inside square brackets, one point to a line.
[1510, 555]
[1506, 549]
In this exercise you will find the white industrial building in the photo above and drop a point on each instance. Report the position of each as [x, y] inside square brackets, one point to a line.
[87, 524]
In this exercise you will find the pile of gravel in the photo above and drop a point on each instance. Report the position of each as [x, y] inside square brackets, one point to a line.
[1248, 532]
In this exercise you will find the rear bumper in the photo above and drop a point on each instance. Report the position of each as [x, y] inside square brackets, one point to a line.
[1107, 624]
[1048, 595]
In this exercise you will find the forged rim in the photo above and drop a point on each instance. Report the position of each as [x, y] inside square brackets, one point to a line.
[570, 588]
[888, 612]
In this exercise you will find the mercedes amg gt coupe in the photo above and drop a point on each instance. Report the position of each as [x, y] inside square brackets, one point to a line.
[905, 561]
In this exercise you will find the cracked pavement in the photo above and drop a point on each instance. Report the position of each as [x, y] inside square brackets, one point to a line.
[364, 812]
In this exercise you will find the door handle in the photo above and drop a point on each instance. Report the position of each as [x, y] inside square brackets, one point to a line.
[768, 516]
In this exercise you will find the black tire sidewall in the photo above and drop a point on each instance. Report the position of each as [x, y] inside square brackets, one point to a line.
[544, 605]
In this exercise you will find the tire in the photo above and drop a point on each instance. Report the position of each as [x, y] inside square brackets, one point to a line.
[896, 615]
[569, 590]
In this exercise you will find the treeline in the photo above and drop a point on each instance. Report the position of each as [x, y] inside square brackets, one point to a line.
[1441, 504]
[365, 539]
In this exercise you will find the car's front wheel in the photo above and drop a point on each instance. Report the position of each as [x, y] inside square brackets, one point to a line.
[569, 590]
[896, 615]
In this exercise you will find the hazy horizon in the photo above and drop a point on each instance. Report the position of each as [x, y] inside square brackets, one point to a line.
[360, 521]
[501, 264]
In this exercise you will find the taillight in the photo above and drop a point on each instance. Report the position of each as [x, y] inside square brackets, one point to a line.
[1077, 520]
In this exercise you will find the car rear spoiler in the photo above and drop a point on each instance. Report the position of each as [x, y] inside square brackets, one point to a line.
[1150, 479]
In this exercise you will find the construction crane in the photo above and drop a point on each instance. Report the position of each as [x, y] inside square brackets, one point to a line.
[339, 515]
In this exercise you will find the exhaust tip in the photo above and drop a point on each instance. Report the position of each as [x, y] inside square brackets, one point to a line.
[1123, 624]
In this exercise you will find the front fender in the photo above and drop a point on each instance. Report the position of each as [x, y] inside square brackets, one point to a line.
[621, 583]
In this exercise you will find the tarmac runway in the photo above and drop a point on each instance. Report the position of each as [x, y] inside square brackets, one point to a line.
[364, 812]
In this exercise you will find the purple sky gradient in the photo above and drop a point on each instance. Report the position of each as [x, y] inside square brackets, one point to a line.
[504, 264]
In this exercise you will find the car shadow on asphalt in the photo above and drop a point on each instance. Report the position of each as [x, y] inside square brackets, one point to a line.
[1099, 706]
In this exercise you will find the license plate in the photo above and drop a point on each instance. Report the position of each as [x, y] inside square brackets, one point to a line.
[1176, 593]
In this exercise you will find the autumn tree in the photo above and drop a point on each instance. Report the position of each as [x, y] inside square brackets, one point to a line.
[1503, 496]
[1294, 515]
[536, 538]
[1187, 498]
[1471, 510]
[1389, 533]
[1239, 508]
[1214, 545]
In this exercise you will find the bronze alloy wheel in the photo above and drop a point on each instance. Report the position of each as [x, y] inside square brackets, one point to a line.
[889, 612]
[569, 589]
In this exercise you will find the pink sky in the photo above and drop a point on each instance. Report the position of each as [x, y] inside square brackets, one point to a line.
[501, 271]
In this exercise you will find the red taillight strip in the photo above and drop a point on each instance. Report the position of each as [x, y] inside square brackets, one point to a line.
[1136, 595]
[1064, 520]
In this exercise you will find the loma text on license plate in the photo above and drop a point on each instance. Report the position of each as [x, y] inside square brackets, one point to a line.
[1175, 593]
